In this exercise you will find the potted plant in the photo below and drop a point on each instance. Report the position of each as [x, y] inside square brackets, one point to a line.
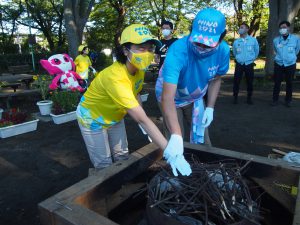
[15, 121]
[42, 83]
[64, 105]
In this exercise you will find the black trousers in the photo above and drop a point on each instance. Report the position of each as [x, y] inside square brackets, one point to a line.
[280, 73]
[238, 74]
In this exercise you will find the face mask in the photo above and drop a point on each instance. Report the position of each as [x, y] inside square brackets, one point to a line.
[141, 60]
[242, 31]
[203, 52]
[86, 51]
[166, 32]
[283, 31]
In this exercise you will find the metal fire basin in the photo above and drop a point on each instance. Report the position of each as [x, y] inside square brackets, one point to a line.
[89, 201]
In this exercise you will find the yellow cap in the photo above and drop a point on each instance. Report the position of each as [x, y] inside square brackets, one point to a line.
[81, 47]
[137, 34]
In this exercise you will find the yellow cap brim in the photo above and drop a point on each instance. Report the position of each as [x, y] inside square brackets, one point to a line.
[155, 41]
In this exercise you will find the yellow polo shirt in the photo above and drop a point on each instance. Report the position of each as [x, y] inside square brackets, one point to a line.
[110, 94]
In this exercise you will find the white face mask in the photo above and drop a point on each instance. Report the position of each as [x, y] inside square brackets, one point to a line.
[166, 32]
[283, 31]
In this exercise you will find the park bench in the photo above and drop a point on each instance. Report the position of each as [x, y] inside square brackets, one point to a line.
[8, 95]
[14, 81]
[13, 85]
[19, 69]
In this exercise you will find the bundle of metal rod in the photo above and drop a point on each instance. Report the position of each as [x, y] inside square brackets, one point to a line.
[213, 194]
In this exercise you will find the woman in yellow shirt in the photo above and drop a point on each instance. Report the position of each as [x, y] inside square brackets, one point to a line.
[113, 94]
[83, 62]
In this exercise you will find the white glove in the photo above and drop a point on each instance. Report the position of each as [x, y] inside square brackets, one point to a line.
[179, 163]
[144, 132]
[208, 116]
[173, 153]
[174, 147]
[94, 71]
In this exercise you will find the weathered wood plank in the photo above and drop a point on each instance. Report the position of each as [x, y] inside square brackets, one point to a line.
[75, 215]
[89, 193]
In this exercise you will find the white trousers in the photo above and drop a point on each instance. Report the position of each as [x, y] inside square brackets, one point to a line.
[106, 146]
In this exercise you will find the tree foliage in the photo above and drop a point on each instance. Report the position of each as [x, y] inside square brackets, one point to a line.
[9, 14]
[47, 17]
[100, 23]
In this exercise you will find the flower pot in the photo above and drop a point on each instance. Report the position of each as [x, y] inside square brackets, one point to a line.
[1, 111]
[144, 97]
[45, 107]
[18, 129]
[63, 118]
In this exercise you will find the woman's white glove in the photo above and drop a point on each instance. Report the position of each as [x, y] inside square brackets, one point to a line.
[208, 116]
[173, 153]
[179, 163]
[174, 147]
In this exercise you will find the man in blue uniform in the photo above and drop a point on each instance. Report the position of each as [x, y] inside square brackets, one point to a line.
[192, 68]
[245, 50]
[287, 47]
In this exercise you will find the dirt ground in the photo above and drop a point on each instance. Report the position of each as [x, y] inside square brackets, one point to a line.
[37, 165]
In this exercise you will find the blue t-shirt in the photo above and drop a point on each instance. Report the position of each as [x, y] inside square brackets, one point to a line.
[190, 71]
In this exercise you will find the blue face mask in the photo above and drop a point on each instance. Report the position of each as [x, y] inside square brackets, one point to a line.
[202, 52]
[242, 31]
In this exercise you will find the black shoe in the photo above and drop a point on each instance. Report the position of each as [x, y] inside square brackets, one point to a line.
[287, 104]
[274, 103]
[249, 101]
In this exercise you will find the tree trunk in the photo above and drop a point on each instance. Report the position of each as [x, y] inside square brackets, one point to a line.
[76, 14]
[238, 8]
[279, 10]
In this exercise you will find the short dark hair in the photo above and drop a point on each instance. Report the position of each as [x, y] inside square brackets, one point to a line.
[121, 57]
[165, 22]
[245, 24]
[284, 22]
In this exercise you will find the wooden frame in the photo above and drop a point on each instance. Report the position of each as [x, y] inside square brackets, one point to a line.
[84, 202]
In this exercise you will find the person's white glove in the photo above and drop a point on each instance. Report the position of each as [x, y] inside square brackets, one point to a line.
[173, 153]
[174, 147]
[145, 133]
[94, 71]
[208, 116]
[179, 163]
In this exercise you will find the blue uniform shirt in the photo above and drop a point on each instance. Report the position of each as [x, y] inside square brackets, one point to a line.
[286, 50]
[245, 50]
[190, 72]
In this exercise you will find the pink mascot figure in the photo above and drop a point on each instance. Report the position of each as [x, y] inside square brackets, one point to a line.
[62, 66]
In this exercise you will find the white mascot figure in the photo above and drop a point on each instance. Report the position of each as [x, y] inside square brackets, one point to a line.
[62, 67]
